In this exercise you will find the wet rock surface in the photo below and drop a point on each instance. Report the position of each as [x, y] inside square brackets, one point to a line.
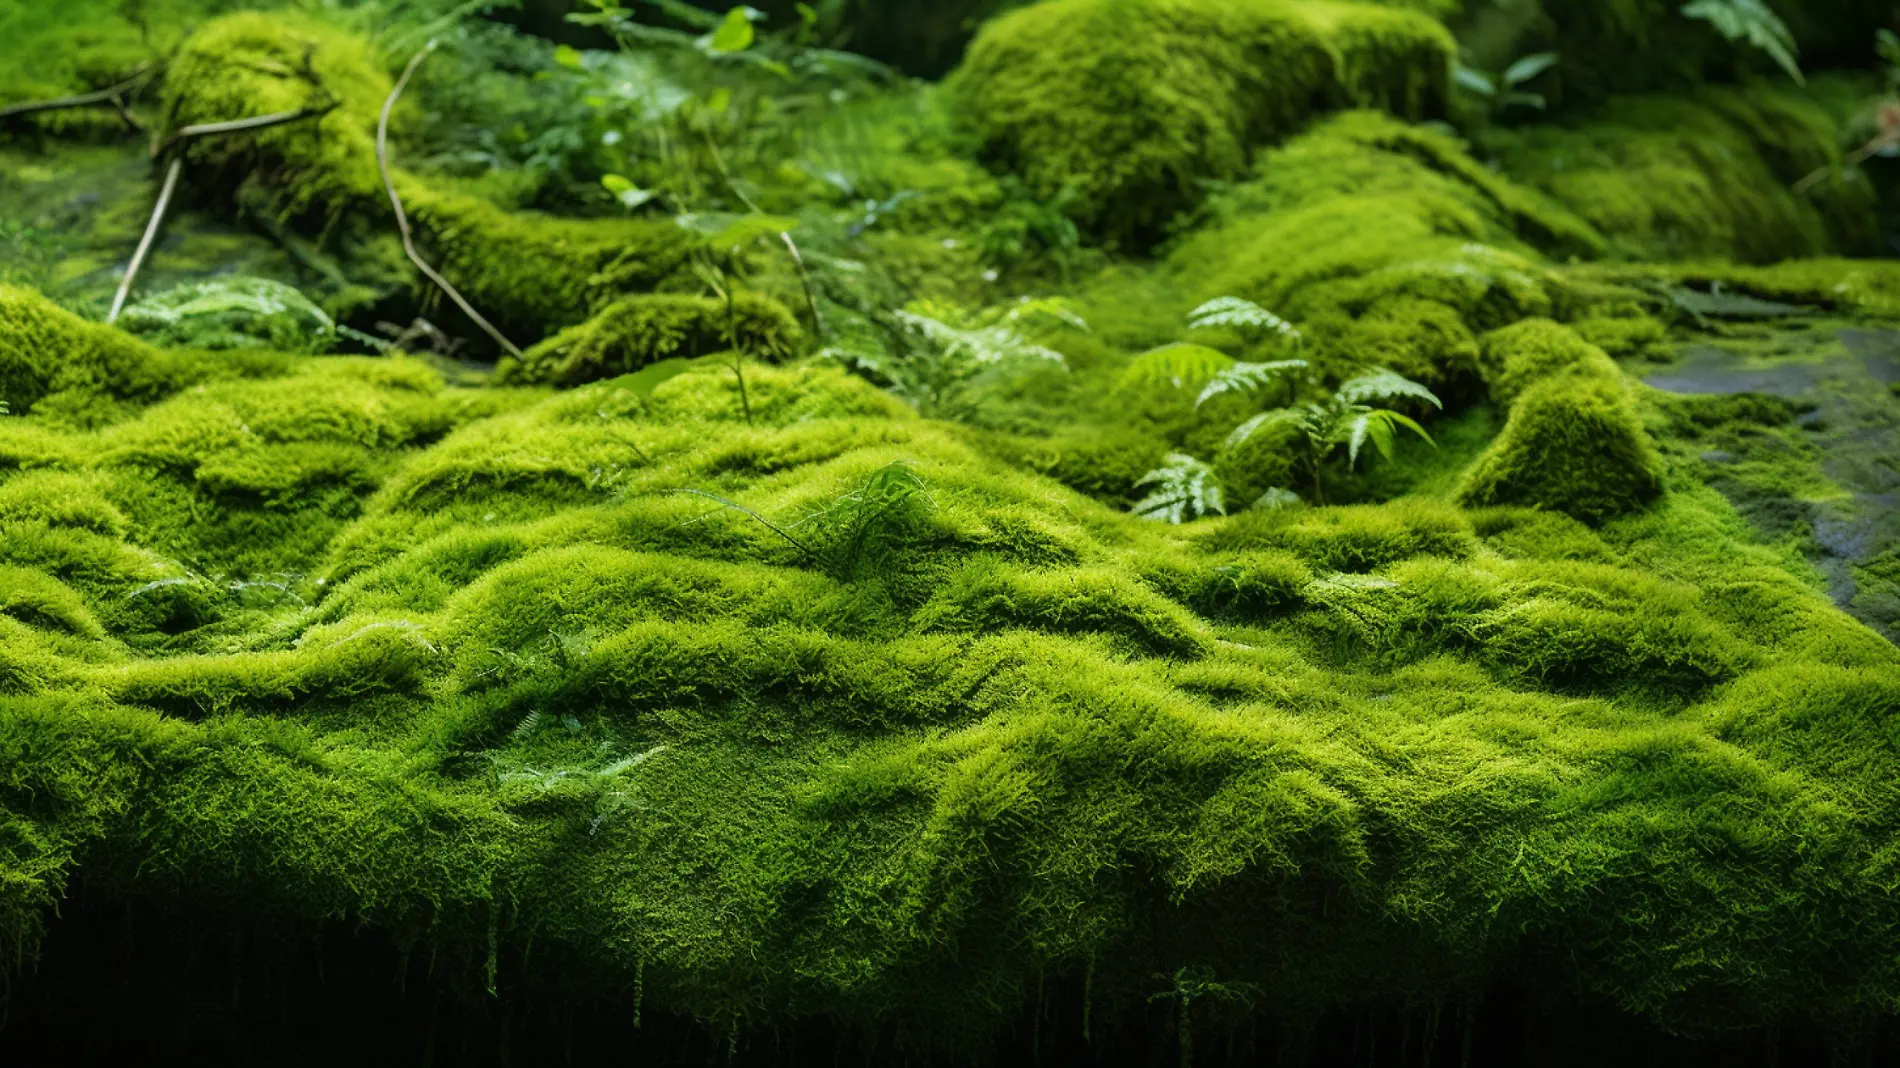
[1838, 460]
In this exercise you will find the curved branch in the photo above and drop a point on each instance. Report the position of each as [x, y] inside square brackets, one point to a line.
[402, 217]
[109, 95]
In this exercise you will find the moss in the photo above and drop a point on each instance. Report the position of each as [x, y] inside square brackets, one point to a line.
[1702, 175]
[531, 273]
[1573, 444]
[1127, 106]
[1527, 352]
[1383, 241]
[45, 350]
[636, 331]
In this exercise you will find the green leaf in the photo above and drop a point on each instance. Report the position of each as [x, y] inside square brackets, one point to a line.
[1380, 428]
[630, 196]
[1528, 67]
[1180, 365]
[1381, 384]
[734, 34]
[569, 57]
[1278, 417]
[720, 101]
[1242, 377]
[643, 382]
[1474, 81]
[1184, 488]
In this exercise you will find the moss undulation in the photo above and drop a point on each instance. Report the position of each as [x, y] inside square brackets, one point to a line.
[1129, 105]
[512, 691]
[636, 331]
[45, 349]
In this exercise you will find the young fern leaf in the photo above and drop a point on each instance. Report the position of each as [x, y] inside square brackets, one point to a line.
[1242, 377]
[1182, 365]
[1184, 488]
[1379, 426]
[1381, 384]
[1243, 315]
[1754, 22]
[1301, 418]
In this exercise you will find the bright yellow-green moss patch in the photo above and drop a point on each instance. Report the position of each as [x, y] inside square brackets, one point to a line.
[636, 331]
[45, 349]
[1128, 105]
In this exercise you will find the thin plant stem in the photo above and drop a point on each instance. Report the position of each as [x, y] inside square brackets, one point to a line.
[151, 234]
[260, 122]
[402, 218]
[804, 278]
[109, 95]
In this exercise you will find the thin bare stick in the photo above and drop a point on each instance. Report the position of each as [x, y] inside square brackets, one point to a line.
[108, 95]
[230, 126]
[402, 218]
[804, 277]
[151, 234]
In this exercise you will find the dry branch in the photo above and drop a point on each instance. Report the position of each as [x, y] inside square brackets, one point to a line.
[402, 217]
[109, 95]
[151, 234]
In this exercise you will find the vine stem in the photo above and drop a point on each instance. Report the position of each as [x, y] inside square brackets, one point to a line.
[402, 217]
[151, 234]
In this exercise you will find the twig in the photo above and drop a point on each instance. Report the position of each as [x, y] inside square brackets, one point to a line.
[259, 122]
[402, 218]
[108, 95]
[743, 510]
[151, 234]
[804, 277]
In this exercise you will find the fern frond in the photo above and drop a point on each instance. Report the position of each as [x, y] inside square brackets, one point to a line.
[1182, 365]
[1276, 499]
[1277, 417]
[1379, 426]
[1382, 384]
[1184, 488]
[523, 730]
[1754, 22]
[1239, 314]
[1247, 376]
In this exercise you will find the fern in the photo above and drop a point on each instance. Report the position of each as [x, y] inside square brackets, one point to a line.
[947, 358]
[1245, 377]
[1345, 420]
[1243, 315]
[1753, 22]
[1182, 365]
[843, 535]
[1184, 488]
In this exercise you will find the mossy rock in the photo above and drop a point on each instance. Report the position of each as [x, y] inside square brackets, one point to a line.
[1126, 106]
[532, 274]
[636, 331]
[1573, 444]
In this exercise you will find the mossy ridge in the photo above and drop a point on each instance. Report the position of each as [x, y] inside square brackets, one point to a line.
[1409, 743]
[636, 331]
[1700, 175]
[532, 273]
[1128, 105]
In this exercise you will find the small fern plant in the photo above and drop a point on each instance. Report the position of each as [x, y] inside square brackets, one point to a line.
[1184, 489]
[947, 358]
[1190, 365]
[1346, 420]
[1751, 22]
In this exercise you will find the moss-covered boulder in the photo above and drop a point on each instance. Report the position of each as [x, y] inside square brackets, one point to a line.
[1125, 107]
[530, 273]
[636, 331]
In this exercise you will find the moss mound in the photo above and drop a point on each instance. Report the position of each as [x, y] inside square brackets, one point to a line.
[1706, 174]
[46, 350]
[636, 331]
[1573, 444]
[1124, 108]
[473, 672]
